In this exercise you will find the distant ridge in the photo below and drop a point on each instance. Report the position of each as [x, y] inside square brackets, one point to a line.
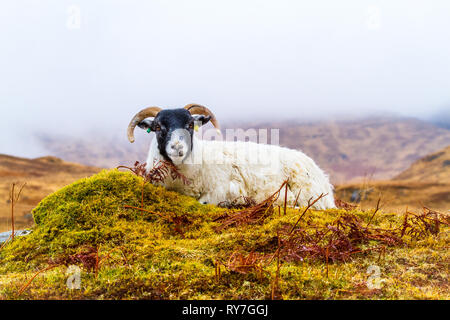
[434, 167]
[354, 150]
[348, 150]
[42, 176]
[425, 183]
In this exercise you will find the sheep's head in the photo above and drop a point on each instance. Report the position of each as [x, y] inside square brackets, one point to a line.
[174, 128]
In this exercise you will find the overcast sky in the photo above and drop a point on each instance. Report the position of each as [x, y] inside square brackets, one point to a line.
[70, 66]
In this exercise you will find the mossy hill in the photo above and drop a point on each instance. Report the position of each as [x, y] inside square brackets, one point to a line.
[171, 248]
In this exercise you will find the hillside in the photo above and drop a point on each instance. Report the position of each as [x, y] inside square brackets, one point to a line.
[96, 149]
[425, 183]
[397, 196]
[111, 236]
[379, 148]
[42, 175]
[432, 168]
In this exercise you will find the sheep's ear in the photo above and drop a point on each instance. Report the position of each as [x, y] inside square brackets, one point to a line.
[201, 118]
[145, 124]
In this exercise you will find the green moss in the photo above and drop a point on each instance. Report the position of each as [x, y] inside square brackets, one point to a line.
[145, 256]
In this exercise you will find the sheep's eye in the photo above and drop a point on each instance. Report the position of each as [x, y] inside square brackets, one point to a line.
[157, 128]
[191, 126]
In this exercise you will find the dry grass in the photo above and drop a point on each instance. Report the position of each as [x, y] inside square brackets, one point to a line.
[425, 184]
[397, 195]
[43, 177]
[434, 167]
[250, 215]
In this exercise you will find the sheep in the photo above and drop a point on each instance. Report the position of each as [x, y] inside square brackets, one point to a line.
[226, 171]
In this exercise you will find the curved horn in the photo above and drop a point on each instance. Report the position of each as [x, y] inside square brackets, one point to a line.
[199, 109]
[141, 115]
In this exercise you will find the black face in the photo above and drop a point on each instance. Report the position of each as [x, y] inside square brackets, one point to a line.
[174, 129]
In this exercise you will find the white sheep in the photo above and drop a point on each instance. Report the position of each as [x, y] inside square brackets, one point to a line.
[222, 171]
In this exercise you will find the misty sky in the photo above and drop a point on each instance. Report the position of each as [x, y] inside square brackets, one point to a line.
[74, 66]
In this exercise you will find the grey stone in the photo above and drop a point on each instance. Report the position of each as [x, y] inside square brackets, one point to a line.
[4, 236]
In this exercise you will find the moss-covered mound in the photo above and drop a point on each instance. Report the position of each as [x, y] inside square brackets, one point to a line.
[168, 247]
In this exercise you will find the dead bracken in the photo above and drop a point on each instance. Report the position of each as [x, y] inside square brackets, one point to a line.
[250, 215]
[160, 172]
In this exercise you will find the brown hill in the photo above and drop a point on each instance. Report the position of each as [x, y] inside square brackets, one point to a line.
[425, 183]
[42, 176]
[434, 167]
[96, 149]
[379, 148]
[397, 195]
[348, 150]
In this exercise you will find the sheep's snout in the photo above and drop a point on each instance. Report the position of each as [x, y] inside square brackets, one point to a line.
[178, 146]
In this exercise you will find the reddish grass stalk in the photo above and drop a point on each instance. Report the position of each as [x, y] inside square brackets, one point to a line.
[273, 290]
[217, 270]
[285, 198]
[34, 276]
[96, 261]
[142, 195]
[310, 204]
[12, 210]
[142, 209]
[296, 198]
[275, 282]
[383, 250]
[4, 243]
[14, 199]
[376, 210]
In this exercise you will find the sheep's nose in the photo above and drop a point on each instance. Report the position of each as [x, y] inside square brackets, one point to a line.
[178, 147]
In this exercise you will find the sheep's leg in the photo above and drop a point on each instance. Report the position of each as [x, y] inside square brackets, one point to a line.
[203, 200]
[231, 193]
